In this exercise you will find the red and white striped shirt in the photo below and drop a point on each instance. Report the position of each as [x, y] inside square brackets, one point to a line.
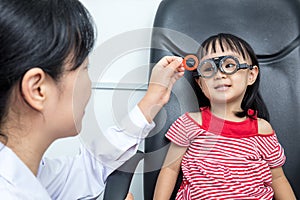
[224, 159]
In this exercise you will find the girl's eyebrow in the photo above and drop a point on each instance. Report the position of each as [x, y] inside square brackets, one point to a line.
[241, 58]
[235, 54]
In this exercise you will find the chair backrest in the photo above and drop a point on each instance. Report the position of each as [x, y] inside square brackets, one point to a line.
[273, 30]
[118, 183]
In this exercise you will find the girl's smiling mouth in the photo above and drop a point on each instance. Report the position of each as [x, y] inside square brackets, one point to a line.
[222, 87]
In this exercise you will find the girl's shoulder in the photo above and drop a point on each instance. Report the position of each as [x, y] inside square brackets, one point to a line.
[195, 116]
[264, 127]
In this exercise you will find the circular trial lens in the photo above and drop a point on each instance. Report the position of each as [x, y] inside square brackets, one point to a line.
[190, 62]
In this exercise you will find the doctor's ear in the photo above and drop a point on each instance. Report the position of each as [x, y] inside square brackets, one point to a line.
[253, 73]
[33, 88]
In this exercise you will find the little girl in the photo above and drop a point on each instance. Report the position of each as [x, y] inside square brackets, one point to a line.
[227, 150]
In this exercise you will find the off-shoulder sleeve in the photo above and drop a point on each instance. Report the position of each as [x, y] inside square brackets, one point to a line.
[183, 131]
[271, 150]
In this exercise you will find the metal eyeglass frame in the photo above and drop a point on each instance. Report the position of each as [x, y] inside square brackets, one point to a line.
[217, 64]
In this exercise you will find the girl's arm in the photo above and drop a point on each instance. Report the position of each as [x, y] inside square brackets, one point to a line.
[282, 188]
[169, 172]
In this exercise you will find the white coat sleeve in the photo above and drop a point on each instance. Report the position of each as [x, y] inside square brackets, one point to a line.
[119, 143]
[84, 176]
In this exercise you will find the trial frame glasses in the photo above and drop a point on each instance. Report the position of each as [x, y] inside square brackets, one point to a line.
[226, 64]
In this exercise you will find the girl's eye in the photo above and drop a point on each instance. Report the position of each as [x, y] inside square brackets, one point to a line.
[230, 65]
[208, 69]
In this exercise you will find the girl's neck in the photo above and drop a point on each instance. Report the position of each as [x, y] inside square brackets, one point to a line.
[226, 111]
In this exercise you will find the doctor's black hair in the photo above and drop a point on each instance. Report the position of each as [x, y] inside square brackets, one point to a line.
[44, 34]
[252, 99]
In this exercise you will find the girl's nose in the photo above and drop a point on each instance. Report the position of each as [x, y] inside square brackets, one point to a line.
[219, 74]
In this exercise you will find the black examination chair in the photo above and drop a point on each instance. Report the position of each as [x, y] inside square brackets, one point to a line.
[272, 28]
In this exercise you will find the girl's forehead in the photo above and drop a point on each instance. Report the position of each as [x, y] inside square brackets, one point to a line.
[218, 51]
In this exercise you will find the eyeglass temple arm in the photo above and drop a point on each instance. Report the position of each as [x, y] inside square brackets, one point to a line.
[245, 66]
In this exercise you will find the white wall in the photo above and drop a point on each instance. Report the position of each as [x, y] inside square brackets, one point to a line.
[119, 61]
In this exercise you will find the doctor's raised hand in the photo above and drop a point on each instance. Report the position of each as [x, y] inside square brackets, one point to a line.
[44, 90]
[164, 75]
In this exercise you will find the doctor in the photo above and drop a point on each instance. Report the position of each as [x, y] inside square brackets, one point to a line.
[44, 88]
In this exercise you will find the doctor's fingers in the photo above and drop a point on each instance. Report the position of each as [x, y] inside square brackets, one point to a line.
[167, 71]
[173, 62]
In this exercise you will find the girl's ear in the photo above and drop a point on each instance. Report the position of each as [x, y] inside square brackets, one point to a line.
[33, 88]
[253, 75]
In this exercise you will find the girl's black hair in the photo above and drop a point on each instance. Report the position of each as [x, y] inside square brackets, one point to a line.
[44, 34]
[252, 99]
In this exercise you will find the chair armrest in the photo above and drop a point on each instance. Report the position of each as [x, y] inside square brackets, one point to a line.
[118, 183]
